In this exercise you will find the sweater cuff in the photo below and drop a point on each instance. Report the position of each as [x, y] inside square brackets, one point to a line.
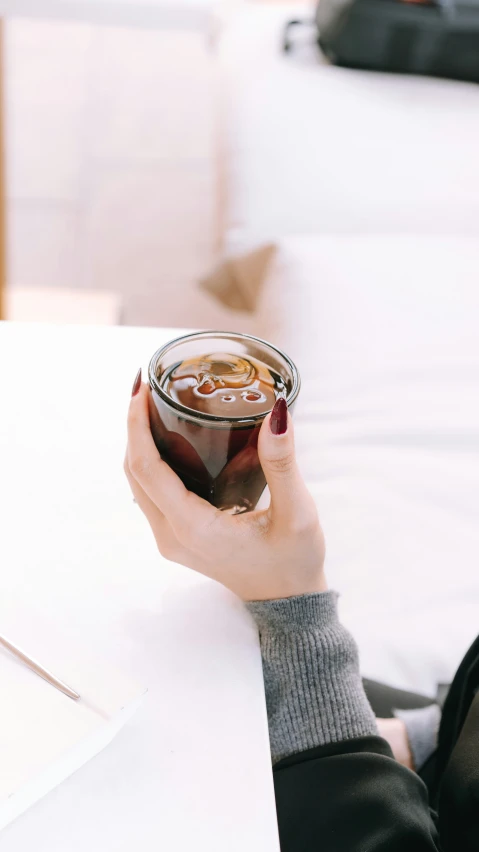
[303, 612]
[314, 692]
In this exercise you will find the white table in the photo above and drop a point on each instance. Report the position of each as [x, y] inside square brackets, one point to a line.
[191, 771]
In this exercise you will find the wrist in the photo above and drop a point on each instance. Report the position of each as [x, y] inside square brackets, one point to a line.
[394, 731]
[288, 588]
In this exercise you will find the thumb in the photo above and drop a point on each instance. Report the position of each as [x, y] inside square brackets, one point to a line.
[277, 457]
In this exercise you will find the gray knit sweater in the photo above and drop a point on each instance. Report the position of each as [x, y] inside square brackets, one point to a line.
[314, 691]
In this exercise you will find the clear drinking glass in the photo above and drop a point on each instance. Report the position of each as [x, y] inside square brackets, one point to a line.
[215, 457]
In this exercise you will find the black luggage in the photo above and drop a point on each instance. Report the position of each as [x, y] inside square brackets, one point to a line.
[439, 39]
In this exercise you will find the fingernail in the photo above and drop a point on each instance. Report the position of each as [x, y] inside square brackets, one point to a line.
[136, 383]
[279, 417]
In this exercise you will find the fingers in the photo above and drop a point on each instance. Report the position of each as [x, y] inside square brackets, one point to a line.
[146, 505]
[289, 496]
[165, 538]
[158, 481]
[187, 513]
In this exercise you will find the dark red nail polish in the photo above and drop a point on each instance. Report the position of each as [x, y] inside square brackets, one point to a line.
[279, 417]
[136, 383]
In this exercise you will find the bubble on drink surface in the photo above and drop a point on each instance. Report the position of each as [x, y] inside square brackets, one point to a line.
[228, 398]
[253, 396]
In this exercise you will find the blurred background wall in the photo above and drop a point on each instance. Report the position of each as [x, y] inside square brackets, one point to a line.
[110, 160]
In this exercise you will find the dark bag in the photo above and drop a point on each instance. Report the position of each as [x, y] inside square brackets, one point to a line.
[439, 39]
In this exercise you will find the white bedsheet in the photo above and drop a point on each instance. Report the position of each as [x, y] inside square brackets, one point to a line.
[385, 333]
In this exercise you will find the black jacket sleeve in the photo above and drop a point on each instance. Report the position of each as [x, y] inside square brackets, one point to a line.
[352, 797]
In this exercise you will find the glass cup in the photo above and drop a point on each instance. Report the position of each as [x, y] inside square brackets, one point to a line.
[215, 457]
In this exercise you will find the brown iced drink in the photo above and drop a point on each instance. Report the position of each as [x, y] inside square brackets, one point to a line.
[206, 411]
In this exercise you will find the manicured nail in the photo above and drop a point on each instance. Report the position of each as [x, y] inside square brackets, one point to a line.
[279, 417]
[136, 383]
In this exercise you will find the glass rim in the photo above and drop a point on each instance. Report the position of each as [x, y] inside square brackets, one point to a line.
[196, 416]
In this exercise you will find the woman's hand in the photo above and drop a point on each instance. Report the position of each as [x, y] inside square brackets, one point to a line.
[274, 553]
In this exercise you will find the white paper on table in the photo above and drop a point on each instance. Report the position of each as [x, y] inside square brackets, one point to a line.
[44, 735]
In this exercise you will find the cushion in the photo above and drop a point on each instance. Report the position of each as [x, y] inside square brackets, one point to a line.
[384, 332]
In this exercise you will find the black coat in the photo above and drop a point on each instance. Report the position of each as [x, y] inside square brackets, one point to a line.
[354, 797]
